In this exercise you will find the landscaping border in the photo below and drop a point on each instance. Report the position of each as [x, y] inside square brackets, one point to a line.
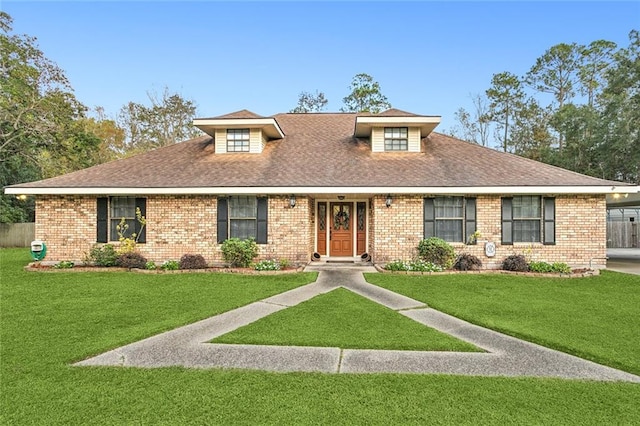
[583, 274]
[38, 267]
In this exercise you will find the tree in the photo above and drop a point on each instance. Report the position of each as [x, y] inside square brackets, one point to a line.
[309, 102]
[167, 121]
[473, 128]
[555, 72]
[530, 136]
[594, 61]
[506, 99]
[39, 133]
[619, 149]
[365, 96]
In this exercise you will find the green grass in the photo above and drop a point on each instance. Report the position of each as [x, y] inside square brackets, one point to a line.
[596, 318]
[344, 319]
[50, 320]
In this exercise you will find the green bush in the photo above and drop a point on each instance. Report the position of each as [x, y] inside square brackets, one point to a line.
[542, 267]
[438, 251]
[239, 253]
[515, 262]
[170, 265]
[132, 259]
[193, 261]
[64, 264]
[415, 265]
[467, 262]
[103, 255]
[561, 268]
[150, 265]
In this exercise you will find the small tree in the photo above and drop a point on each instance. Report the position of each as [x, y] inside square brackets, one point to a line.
[365, 96]
[309, 102]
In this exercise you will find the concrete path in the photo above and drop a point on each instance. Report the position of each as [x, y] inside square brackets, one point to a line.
[625, 260]
[505, 356]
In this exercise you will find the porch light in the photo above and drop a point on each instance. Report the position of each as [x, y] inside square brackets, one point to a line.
[389, 200]
[292, 201]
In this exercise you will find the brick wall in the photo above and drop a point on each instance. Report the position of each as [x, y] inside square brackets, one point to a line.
[580, 231]
[176, 225]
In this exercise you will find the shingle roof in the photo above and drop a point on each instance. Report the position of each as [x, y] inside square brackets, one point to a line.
[319, 150]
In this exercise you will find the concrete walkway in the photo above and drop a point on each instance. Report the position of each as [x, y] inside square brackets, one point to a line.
[505, 356]
[625, 260]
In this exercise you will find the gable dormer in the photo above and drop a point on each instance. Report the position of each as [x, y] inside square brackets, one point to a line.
[240, 132]
[394, 130]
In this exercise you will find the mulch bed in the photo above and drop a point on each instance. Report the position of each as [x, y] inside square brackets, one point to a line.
[575, 273]
[39, 267]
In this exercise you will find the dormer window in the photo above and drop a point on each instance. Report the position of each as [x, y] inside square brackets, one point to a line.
[396, 138]
[238, 140]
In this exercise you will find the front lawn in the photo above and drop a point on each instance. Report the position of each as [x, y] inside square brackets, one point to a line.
[344, 320]
[48, 320]
[596, 318]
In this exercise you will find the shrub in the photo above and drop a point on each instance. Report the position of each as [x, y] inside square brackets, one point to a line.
[542, 267]
[268, 265]
[105, 255]
[515, 262]
[192, 261]
[415, 265]
[438, 251]
[467, 262]
[170, 265]
[150, 265]
[64, 264]
[561, 268]
[132, 260]
[239, 253]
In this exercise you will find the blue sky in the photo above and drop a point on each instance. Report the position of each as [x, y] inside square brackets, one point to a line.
[427, 56]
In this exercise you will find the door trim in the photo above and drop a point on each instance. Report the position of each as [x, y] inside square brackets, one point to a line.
[354, 244]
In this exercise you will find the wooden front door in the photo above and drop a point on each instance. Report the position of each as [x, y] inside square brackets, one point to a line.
[341, 229]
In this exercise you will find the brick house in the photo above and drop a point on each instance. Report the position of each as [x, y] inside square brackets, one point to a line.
[328, 185]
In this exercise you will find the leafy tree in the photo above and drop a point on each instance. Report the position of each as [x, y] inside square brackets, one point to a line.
[39, 132]
[310, 102]
[555, 72]
[595, 59]
[506, 99]
[530, 135]
[365, 96]
[619, 150]
[167, 121]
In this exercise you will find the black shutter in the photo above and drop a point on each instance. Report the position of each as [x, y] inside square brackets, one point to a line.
[429, 218]
[470, 218]
[549, 221]
[102, 225]
[223, 220]
[507, 221]
[261, 237]
[141, 233]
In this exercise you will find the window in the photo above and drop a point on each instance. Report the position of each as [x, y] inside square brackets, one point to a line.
[528, 219]
[242, 217]
[396, 139]
[110, 212]
[237, 140]
[451, 218]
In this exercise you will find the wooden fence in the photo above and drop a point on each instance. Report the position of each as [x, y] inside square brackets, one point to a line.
[623, 234]
[17, 234]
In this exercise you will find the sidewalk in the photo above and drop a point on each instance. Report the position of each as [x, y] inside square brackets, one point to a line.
[505, 356]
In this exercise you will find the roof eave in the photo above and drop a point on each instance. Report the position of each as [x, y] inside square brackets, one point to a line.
[364, 124]
[458, 190]
[269, 126]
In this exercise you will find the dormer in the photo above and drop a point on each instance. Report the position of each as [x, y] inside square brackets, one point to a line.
[394, 130]
[240, 132]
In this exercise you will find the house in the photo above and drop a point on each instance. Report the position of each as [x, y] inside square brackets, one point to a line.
[327, 185]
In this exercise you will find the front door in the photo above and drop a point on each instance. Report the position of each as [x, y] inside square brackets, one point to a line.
[341, 230]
